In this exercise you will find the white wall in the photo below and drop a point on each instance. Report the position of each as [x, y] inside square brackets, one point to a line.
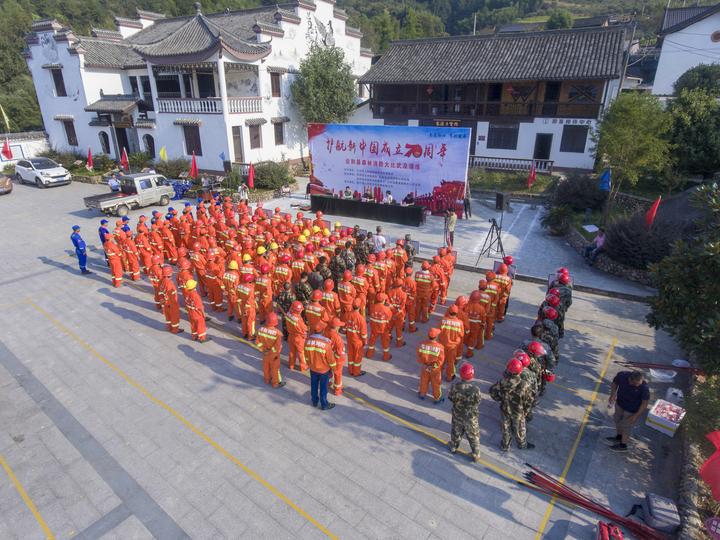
[686, 49]
[23, 148]
[364, 117]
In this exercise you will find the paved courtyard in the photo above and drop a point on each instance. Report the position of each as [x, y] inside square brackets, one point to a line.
[111, 427]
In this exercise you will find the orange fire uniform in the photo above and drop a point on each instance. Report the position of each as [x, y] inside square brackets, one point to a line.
[196, 315]
[398, 299]
[426, 284]
[431, 356]
[297, 332]
[506, 284]
[475, 338]
[331, 302]
[338, 348]
[200, 265]
[380, 316]
[143, 246]
[441, 293]
[181, 279]
[346, 293]
[131, 255]
[247, 308]
[452, 333]
[356, 332]
[155, 276]
[171, 306]
[373, 285]
[263, 295]
[213, 282]
[317, 317]
[280, 275]
[381, 273]
[361, 289]
[269, 341]
[230, 281]
[410, 288]
[297, 267]
[400, 258]
[493, 289]
[114, 257]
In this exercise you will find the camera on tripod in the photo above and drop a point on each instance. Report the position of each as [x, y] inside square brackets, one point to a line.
[492, 220]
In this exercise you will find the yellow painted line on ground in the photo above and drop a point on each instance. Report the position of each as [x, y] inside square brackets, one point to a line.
[578, 438]
[192, 427]
[26, 499]
[410, 425]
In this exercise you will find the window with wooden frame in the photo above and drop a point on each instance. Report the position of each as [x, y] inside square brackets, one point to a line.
[279, 133]
[275, 85]
[192, 140]
[255, 137]
[59, 82]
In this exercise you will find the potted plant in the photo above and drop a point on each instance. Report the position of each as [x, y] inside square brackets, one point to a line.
[557, 220]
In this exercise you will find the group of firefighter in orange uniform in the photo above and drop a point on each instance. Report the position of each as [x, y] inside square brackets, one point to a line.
[254, 265]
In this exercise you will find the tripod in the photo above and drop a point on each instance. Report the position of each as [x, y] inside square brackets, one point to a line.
[493, 240]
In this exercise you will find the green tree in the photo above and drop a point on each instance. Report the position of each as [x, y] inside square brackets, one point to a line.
[689, 309]
[411, 25]
[559, 18]
[632, 139]
[324, 89]
[696, 130]
[704, 76]
[387, 29]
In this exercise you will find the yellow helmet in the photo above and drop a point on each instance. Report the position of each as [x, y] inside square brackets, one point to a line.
[338, 224]
[273, 246]
[261, 250]
[233, 265]
[326, 232]
[302, 239]
[306, 233]
[316, 229]
[247, 257]
[190, 284]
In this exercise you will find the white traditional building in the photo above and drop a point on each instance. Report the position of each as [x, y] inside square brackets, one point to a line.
[689, 36]
[528, 97]
[217, 84]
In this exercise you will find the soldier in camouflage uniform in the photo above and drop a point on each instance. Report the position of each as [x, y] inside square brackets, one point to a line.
[553, 301]
[516, 398]
[409, 249]
[303, 290]
[361, 250]
[465, 397]
[337, 266]
[532, 373]
[284, 301]
[542, 354]
[323, 270]
[348, 257]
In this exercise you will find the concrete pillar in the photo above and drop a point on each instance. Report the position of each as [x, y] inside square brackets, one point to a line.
[230, 154]
[153, 87]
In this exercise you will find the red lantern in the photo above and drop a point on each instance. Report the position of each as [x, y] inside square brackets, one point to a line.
[429, 90]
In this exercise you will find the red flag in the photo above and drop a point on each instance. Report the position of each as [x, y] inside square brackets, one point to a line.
[89, 165]
[710, 470]
[251, 176]
[650, 214]
[124, 162]
[6, 150]
[533, 175]
[193, 168]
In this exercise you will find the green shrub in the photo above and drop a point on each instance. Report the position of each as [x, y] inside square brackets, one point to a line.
[579, 191]
[172, 168]
[557, 219]
[9, 169]
[66, 159]
[630, 242]
[139, 160]
[103, 163]
[270, 175]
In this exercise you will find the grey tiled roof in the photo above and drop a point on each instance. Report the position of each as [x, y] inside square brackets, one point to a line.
[198, 34]
[595, 53]
[112, 35]
[676, 19]
[151, 15]
[108, 54]
[121, 103]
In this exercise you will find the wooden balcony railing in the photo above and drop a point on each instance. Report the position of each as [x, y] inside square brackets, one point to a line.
[511, 164]
[484, 109]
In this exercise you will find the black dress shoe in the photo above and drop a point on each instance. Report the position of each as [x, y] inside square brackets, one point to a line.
[328, 407]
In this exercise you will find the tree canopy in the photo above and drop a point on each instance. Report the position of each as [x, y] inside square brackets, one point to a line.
[696, 131]
[703, 77]
[324, 89]
[559, 18]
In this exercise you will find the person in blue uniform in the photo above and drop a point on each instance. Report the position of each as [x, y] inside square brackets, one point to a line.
[103, 230]
[80, 249]
[125, 224]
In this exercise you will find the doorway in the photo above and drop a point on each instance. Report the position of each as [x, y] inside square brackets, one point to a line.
[543, 145]
[122, 140]
[237, 144]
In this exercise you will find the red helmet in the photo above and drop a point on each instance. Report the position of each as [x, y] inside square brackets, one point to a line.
[277, 209]
[490, 275]
[467, 372]
[299, 215]
[156, 259]
[408, 271]
[563, 270]
[564, 279]
[452, 310]
[184, 264]
[360, 269]
[328, 285]
[285, 258]
[318, 214]
[309, 248]
[461, 301]
[549, 376]
[316, 296]
[296, 307]
[502, 269]
[475, 296]
[552, 300]
[347, 275]
[324, 242]
[399, 242]
[381, 256]
[524, 358]
[196, 246]
[514, 366]
[381, 297]
[508, 259]
[182, 252]
[167, 271]
[482, 284]
[554, 291]
[436, 259]
[247, 278]
[550, 313]
[271, 320]
[264, 268]
[425, 265]
[536, 349]
[357, 303]
[442, 251]
[299, 253]
[372, 258]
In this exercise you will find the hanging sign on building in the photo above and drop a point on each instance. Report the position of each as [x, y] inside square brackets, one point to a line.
[401, 159]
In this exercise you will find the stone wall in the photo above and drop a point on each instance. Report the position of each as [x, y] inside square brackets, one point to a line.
[631, 204]
[606, 264]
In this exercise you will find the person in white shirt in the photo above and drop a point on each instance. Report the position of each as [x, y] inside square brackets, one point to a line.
[379, 240]
[388, 199]
[243, 191]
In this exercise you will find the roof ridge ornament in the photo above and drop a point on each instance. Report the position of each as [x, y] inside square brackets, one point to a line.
[198, 10]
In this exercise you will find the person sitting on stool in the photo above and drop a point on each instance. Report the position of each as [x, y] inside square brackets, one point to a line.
[595, 247]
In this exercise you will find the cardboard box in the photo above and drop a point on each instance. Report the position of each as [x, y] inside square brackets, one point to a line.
[658, 421]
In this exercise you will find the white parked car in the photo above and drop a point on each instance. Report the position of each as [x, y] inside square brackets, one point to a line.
[42, 172]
